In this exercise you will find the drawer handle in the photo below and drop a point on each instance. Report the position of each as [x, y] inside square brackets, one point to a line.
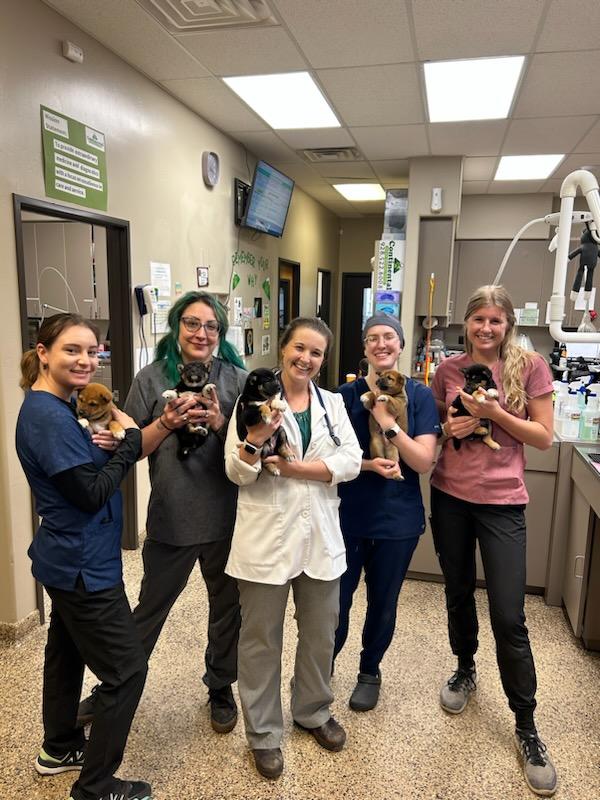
[575, 566]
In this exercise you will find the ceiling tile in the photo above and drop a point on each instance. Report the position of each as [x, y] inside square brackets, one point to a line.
[266, 145]
[515, 187]
[300, 172]
[316, 137]
[132, 33]
[553, 86]
[348, 32]
[383, 95]
[571, 163]
[392, 141]
[210, 98]
[567, 23]
[479, 169]
[244, 51]
[390, 171]
[372, 207]
[354, 170]
[474, 187]
[591, 142]
[552, 186]
[545, 135]
[449, 29]
[480, 138]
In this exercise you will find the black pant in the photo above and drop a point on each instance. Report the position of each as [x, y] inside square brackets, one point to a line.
[500, 530]
[94, 629]
[166, 573]
[385, 562]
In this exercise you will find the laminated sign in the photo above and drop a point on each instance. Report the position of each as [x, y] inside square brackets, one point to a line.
[389, 278]
[74, 160]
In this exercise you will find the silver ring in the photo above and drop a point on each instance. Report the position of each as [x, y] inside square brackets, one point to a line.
[185, 418]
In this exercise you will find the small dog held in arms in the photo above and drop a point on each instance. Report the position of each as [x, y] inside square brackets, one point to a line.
[480, 384]
[393, 394]
[260, 398]
[193, 381]
[94, 410]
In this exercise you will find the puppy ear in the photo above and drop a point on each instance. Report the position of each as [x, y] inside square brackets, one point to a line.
[464, 370]
[180, 368]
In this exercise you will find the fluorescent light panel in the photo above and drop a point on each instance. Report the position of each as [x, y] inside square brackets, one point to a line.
[527, 168]
[476, 88]
[285, 101]
[360, 191]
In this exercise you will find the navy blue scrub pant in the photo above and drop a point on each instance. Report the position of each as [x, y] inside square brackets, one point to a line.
[500, 530]
[385, 562]
[94, 629]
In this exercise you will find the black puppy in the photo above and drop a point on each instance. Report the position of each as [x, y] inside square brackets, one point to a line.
[193, 381]
[260, 398]
[480, 384]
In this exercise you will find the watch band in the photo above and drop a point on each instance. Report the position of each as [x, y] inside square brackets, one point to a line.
[392, 432]
[251, 448]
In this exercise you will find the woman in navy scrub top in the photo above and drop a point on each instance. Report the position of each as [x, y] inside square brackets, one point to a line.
[76, 555]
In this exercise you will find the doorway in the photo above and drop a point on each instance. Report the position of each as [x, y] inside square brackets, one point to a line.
[324, 313]
[52, 243]
[356, 303]
[288, 293]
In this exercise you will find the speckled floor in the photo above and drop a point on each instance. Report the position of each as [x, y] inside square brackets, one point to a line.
[406, 748]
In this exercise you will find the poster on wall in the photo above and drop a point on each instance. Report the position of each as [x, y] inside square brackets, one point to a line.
[237, 310]
[74, 160]
[248, 342]
[258, 307]
[160, 278]
[266, 316]
[389, 276]
[265, 347]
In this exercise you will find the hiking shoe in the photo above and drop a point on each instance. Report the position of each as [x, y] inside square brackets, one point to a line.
[329, 735]
[538, 768]
[50, 765]
[223, 710]
[87, 708]
[269, 762]
[454, 695]
[366, 692]
[122, 790]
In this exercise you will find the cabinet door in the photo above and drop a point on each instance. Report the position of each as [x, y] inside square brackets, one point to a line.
[538, 515]
[101, 272]
[50, 246]
[436, 240]
[573, 579]
[78, 243]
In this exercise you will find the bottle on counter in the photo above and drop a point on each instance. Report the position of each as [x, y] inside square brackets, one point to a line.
[561, 397]
[571, 417]
[589, 423]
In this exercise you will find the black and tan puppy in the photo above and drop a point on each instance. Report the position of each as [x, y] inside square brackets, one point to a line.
[260, 398]
[193, 381]
[94, 410]
[480, 384]
[393, 394]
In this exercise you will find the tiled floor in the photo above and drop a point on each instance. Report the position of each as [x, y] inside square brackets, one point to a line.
[406, 748]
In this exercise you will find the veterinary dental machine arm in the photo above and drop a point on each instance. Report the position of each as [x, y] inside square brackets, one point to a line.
[565, 218]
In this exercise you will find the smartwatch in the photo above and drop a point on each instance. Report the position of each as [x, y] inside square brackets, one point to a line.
[392, 432]
[250, 448]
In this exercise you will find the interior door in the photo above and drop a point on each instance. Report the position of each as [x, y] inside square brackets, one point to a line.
[324, 313]
[288, 293]
[355, 286]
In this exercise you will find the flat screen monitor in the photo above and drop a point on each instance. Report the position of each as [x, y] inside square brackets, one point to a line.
[269, 200]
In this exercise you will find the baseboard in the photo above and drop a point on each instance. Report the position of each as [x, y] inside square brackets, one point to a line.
[13, 631]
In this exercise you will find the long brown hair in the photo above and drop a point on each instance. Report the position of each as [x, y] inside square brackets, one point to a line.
[50, 330]
[514, 358]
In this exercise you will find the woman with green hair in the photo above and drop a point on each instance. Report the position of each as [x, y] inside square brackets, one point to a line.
[192, 504]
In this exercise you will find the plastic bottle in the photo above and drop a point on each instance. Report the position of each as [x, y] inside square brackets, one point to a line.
[561, 389]
[571, 418]
[589, 423]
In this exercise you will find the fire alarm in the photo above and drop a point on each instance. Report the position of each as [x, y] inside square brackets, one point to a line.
[72, 52]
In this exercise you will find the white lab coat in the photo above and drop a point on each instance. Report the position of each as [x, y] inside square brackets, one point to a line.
[286, 526]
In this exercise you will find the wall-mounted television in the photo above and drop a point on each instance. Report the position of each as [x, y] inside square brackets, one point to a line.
[268, 200]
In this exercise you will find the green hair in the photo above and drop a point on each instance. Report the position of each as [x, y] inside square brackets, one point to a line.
[168, 350]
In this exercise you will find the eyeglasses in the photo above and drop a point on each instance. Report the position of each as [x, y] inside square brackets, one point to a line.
[387, 337]
[193, 324]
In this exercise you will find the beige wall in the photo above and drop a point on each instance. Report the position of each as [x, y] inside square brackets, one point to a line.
[499, 216]
[154, 149]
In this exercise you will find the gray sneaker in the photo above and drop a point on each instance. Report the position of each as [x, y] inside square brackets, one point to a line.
[538, 768]
[455, 693]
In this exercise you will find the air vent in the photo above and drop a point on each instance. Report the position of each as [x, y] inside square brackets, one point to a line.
[189, 16]
[320, 155]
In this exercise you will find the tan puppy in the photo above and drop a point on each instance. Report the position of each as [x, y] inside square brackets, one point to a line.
[393, 394]
[94, 404]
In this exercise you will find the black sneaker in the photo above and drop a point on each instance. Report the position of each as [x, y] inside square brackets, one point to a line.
[87, 708]
[538, 768]
[46, 764]
[123, 790]
[223, 710]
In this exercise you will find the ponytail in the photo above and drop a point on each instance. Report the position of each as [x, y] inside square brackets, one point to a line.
[30, 367]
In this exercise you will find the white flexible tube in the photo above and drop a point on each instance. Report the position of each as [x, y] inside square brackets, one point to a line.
[511, 247]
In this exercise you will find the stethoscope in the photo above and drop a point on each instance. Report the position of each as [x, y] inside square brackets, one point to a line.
[334, 438]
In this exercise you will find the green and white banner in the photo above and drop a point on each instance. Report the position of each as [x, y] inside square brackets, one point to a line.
[74, 160]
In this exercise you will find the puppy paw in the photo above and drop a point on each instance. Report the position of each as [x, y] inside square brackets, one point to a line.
[169, 394]
[492, 393]
[277, 404]
[209, 389]
[366, 400]
[84, 422]
[119, 435]
[383, 398]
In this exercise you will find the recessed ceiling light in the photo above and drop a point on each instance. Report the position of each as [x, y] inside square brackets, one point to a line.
[285, 101]
[360, 191]
[527, 168]
[475, 88]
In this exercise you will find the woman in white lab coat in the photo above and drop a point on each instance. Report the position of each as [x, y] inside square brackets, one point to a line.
[287, 534]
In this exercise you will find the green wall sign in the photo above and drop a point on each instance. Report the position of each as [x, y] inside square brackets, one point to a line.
[74, 160]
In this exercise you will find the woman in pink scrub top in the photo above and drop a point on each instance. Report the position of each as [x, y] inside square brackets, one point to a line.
[479, 495]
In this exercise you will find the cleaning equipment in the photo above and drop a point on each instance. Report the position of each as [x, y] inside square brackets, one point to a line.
[428, 338]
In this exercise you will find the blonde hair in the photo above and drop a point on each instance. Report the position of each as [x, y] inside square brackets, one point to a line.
[514, 358]
[50, 330]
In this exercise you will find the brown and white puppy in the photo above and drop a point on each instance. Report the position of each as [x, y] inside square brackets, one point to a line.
[94, 407]
[393, 394]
